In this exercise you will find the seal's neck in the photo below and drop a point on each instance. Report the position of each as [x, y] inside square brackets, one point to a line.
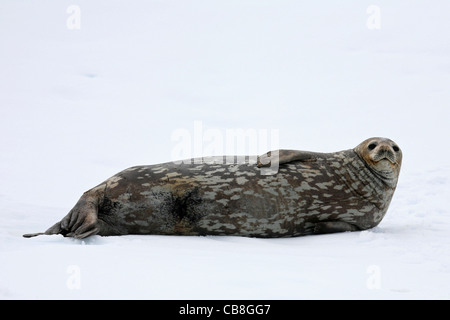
[363, 181]
[388, 177]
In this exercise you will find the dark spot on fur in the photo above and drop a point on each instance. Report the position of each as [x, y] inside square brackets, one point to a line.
[184, 207]
[106, 207]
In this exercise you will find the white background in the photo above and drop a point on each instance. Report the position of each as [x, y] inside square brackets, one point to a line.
[77, 106]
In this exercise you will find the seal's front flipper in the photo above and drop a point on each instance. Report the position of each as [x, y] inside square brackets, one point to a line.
[333, 227]
[286, 156]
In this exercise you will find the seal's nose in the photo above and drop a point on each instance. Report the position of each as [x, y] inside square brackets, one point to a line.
[385, 147]
[385, 151]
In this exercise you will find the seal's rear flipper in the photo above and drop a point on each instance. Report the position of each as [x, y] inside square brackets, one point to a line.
[80, 222]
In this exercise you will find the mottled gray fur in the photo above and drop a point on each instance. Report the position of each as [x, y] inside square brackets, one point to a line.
[311, 193]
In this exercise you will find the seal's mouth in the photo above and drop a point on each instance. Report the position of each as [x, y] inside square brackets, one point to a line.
[385, 155]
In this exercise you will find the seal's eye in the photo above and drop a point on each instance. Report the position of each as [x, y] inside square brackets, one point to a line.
[396, 149]
[372, 146]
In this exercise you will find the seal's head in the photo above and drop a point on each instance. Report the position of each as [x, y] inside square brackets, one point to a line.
[383, 157]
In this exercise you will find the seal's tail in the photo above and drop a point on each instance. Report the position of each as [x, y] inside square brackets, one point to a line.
[80, 222]
[31, 235]
[55, 229]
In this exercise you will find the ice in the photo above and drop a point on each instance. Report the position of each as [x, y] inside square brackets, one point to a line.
[79, 105]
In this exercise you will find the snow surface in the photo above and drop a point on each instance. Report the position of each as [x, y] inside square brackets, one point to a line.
[77, 106]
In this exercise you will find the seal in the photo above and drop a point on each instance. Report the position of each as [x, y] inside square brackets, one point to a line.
[310, 193]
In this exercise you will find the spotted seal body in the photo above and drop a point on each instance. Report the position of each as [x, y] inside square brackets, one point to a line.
[310, 193]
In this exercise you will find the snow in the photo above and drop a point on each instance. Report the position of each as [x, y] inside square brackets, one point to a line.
[77, 106]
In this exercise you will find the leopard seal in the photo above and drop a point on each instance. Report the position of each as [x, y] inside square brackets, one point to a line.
[310, 193]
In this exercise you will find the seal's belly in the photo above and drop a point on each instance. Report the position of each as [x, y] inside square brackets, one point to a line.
[216, 199]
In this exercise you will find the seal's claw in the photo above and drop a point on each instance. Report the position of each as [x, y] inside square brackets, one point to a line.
[264, 160]
[86, 234]
[85, 230]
